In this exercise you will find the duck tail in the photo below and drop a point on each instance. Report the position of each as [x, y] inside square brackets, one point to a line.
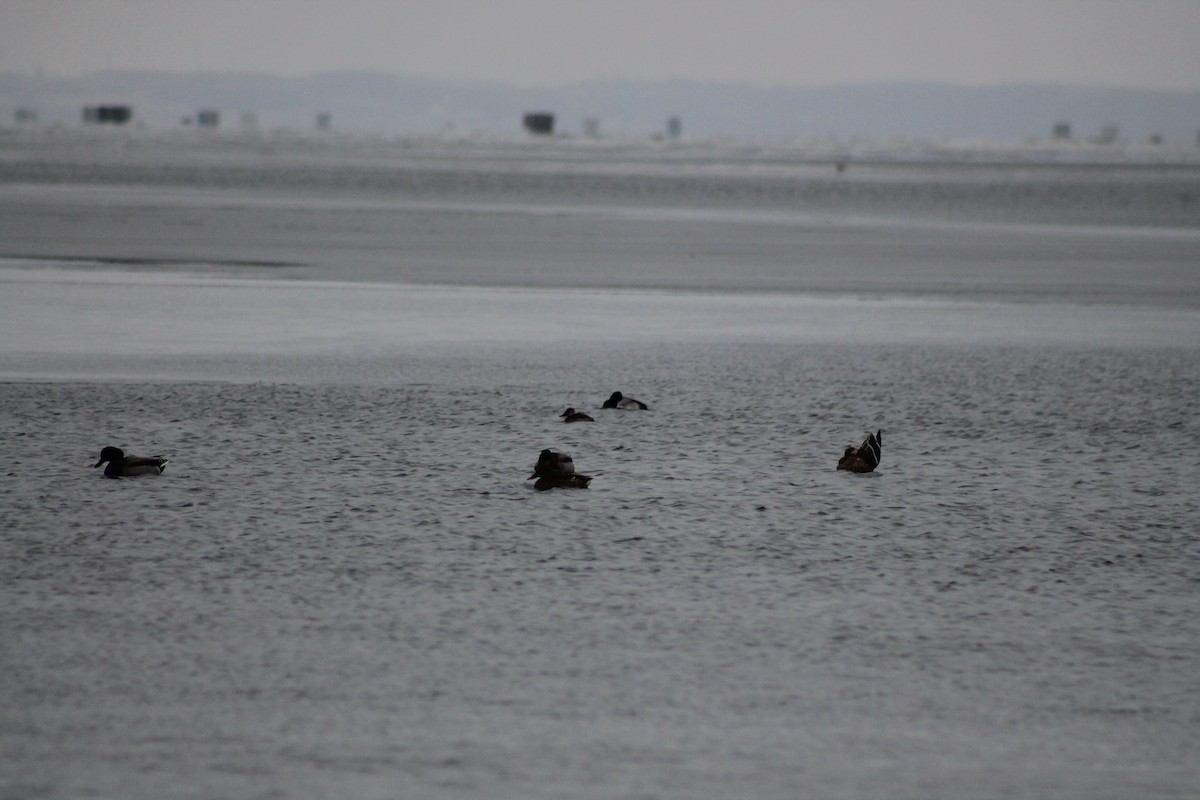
[871, 449]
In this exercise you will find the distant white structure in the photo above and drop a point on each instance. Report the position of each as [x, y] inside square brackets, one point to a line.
[249, 120]
[591, 127]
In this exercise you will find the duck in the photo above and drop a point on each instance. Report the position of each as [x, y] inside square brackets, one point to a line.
[557, 471]
[121, 465]
[618, 400]
[865, 457]
[571, 415]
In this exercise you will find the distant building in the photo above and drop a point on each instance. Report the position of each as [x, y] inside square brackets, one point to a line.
[324, 121]
[674, 127]
[107, 115]
[591, 127]
[539, 122]
[1062, 130]
[208, 118]
[25, 116]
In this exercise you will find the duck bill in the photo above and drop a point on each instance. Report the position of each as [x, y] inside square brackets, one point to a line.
[98, 463]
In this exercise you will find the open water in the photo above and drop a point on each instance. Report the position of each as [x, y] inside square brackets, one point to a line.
[343, 585]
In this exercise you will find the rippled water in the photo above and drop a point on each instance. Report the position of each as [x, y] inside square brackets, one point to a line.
[344, 585]
[355, 589]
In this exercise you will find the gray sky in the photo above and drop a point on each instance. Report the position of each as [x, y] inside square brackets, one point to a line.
[1133, 43]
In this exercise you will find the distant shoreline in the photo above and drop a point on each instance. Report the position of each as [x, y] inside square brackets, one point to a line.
[396, 104]
[75, 142]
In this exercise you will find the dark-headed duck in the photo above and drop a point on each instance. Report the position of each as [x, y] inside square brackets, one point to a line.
[571, 415]
[121, 465]
[618, 400]
[557, 471]
[865, 457]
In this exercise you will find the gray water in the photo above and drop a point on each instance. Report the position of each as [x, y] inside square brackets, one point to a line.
[344, 585]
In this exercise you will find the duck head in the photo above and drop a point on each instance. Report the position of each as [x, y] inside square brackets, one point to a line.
[110, 454]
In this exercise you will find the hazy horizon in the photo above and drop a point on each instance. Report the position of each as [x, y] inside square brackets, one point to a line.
[542, 44]
[379, 102]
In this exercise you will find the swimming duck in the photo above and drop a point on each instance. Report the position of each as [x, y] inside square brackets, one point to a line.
[557, 471]
[571, 415]
[120, 464]
[865, 457]
[618, 400]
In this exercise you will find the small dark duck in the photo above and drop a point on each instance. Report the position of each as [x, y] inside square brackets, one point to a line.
[865, 457]
[618, 400]
[121, 465]
[557, 471]
[571, 415]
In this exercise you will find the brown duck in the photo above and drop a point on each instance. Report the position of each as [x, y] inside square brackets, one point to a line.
[557, 471]
[865, 457]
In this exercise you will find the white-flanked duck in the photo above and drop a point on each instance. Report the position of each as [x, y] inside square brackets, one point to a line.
[557, 471]
[865, 457]
[121, 465]
[618, 400]
[571, 415]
